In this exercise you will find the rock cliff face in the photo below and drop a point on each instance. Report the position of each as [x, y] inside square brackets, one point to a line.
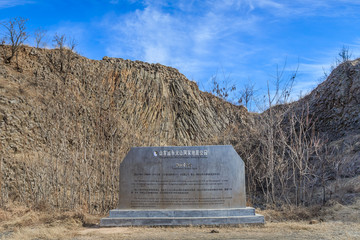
[334, 106]
[335, 103]
[66, 122]
[157, 103]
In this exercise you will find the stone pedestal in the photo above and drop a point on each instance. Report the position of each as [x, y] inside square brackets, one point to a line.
[191, 217]
[168, 186]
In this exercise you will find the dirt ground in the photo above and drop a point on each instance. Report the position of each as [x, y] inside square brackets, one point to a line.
[283, 230]
[335, 221]
[290, 230]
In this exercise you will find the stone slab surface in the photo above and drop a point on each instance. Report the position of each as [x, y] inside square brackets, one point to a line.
[200, 177]
[186, 218]
[182, 213]
[172, 186]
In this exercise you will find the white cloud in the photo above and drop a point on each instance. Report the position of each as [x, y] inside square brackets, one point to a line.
[328, 8]
[354, 48]
[266, 4]
[71, 30]
[150, 35]
[313, 71]
[327, 59]
[190, 42]
[298, 8]
[316, 70]
[301, 89]
[199, 38]
[159, 54]
[13, 3]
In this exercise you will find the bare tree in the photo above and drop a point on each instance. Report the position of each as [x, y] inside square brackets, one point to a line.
[344, 55]
[246, 95]
[59, 41]
[221, 88]
[72, 43]
[283, 86]
[285, 150]
[15, 34]
[39, 36]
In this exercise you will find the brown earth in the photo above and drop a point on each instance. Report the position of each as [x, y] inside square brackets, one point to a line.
[145, 97]
[67, 121]
[335, 102]
[335, 107]
[334, 221]
[63, 116]
[288, 230]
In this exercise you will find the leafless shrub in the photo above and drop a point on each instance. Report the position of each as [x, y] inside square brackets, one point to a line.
[247, 95]
[344, 55]
[72, 43]
[59, 41]
[221, 88]
[15, 33]
[39, 37]
[66, 54]
[286, 159]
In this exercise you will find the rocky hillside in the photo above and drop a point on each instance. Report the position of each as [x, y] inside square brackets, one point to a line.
[57, 108]
[334, 106]
[299, 153]
[66, 123]
[149, 98]
[335, 103]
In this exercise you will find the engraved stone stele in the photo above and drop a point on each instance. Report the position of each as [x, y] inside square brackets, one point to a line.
[199, 185]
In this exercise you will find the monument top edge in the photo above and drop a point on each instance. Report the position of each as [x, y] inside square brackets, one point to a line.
[182, 146]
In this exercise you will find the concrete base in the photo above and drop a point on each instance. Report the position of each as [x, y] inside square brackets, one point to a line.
[188, 217]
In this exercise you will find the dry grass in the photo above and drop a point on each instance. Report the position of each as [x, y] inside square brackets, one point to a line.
[43, 232]
[20, 222]
[290, 213]
[334, 221]
[338, 212]
[283, 230]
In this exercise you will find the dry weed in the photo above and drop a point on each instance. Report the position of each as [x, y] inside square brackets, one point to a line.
[282, 230]
[29, 224]
[20, 222]
[289, 212]
[334, 211]
[43, 232]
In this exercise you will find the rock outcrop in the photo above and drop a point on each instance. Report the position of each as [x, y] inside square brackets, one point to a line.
[66, 122]
[335, 103]
[334, 108]
[157, 103]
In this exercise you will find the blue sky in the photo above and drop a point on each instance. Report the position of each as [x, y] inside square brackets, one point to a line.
[241, 41]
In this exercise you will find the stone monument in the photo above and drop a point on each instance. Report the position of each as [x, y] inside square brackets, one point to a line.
[202, 185]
